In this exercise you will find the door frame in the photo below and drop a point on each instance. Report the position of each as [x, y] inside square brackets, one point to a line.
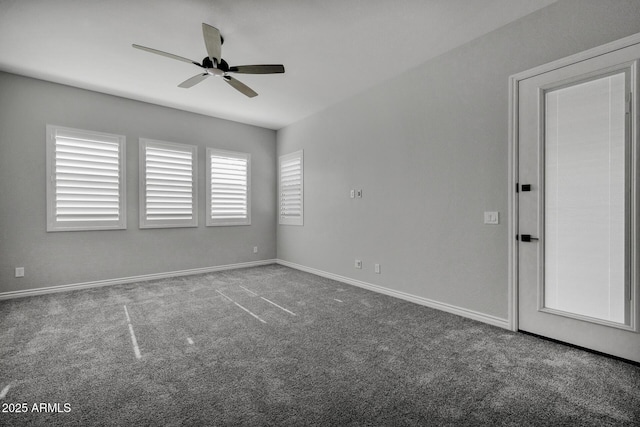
[513, 213]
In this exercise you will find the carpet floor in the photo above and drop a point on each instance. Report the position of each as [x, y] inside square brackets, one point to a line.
[273, 346]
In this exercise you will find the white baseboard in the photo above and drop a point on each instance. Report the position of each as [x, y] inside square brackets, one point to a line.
[132, 279]
[471, 314]
[486, 318]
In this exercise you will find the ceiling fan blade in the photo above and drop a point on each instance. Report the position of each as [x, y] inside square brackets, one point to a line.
[193, 80]
[168, 55]
[241, 87]
[212, 42]
[257, 69]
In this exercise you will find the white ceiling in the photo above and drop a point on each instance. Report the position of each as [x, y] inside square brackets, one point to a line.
[331, 49]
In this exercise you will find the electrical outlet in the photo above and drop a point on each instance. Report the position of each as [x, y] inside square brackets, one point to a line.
[20, 272]
[352, 194]
[359, 194]
[376, 268]
[255, 249]
[358, 264]
[491, 218]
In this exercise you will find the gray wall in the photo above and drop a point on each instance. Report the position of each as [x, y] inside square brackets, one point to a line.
[430, 151]
[27, 105]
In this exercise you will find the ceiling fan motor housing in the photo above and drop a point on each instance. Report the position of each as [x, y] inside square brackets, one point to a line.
[207, 63]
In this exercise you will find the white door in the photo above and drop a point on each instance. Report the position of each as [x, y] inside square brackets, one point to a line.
[577, 204]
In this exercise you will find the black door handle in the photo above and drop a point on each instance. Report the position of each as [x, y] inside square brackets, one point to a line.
[527, 238]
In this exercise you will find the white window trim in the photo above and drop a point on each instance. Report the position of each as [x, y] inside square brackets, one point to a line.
[52, 224]
[283, 220]
[211, 222]
[166, 223]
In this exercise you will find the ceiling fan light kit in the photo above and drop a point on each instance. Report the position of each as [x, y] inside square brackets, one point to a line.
[214, 65]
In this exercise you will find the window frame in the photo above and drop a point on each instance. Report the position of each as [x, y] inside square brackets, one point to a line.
[212, 222]
[144, 222]
[284, 220]
[56, 226]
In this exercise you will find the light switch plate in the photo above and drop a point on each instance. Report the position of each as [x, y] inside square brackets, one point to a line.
[491, 218]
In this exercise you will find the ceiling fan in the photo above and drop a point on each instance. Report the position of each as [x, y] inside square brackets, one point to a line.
[214, 65]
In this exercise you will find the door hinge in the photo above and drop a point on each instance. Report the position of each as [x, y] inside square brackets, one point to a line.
[629, 102]
[517, 187]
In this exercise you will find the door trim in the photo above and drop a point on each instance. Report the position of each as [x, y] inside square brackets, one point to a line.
[513, 132]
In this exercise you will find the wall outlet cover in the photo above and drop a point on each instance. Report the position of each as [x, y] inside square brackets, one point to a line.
[358, 263]
[491, 218]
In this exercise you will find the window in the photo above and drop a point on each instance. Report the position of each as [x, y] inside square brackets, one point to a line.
[85, 180]
[168, 184]
[228, 188]
[291, 189]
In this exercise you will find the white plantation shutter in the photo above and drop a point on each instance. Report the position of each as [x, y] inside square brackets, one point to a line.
[291, 189]
[86, 175]
[167, 184]
[228, 189]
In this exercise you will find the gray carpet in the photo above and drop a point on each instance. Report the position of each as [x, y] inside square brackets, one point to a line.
[348, 357]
